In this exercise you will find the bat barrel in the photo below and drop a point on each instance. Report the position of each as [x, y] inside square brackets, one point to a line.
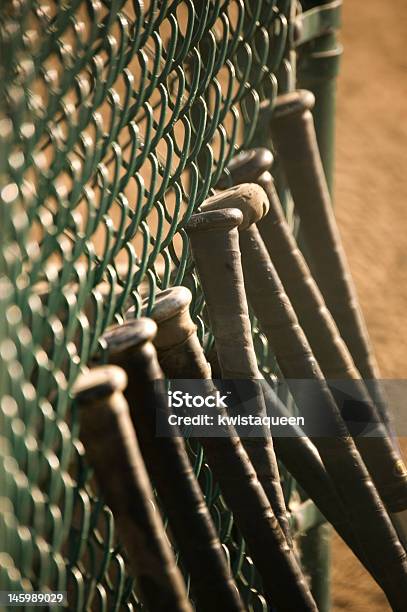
[112, 450]
[215, 247]
[129, 346]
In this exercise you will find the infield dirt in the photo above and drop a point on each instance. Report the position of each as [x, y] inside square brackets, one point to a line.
[371, 207]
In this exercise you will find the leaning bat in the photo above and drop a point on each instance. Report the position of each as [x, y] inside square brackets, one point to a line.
[112, 450]
[296, 360]
[182, 357]
[215, 247]
[317, 322]
[260, 450]
[293, 133]
[315, 319]
[129, 346]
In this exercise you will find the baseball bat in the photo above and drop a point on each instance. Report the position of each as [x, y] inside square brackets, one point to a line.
[315, 319]
[260, 450]
[294, 138]
[112, 450]
[215, 246]
[321, 330]
[129, 346]
[295, 356]
[182, 357]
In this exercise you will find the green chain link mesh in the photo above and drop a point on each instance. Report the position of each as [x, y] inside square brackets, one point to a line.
[116, 120]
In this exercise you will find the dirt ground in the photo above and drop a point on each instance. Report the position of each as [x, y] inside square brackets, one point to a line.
[371, 204]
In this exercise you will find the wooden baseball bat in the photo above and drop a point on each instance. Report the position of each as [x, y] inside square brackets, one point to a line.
[260, 450]
[215, 246]
[278, 320]
[317, 322]
[294, 138]
[112, 450]
[129, 346]
[182, 357]
[315, 319]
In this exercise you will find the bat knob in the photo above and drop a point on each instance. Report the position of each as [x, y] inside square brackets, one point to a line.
[249, 198]
[171, 313]
[246, 167]
[293, 103]
[99, 383]
[225, 219]
[129, 335]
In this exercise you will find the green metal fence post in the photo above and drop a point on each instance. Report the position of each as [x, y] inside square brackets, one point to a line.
[318, 67]
[316, 555]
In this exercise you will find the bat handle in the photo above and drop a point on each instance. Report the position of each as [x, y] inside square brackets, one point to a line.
[130, 346]
[215, 247]
[274, 310]
[112, 450]
[308, 302]
[294, 137]
[266, 293]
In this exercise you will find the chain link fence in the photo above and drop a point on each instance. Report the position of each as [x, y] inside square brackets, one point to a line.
[116, 121]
